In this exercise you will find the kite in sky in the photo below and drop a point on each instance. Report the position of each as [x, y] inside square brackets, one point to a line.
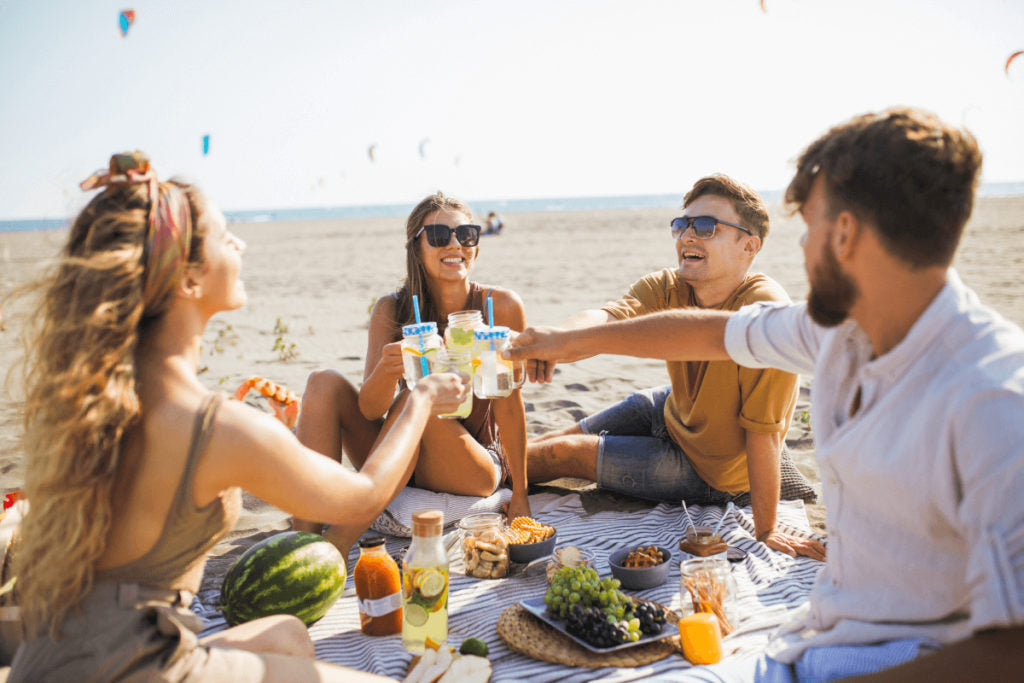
[1012, 57]
[424, 143]
[125, 20]
[206, 145]
[370, 152]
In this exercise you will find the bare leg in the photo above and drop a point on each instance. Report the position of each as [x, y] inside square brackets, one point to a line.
[287, 651]
[344, 537]
[452, 461]
[566, 453]
[330, 423]
[449, 460]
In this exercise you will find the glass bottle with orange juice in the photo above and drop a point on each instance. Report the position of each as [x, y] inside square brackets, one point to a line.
[378, 589]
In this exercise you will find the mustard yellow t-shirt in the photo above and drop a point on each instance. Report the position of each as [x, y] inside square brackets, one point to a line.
[714, 403]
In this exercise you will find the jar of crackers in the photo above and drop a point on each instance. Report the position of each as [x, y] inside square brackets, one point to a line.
[484, 548]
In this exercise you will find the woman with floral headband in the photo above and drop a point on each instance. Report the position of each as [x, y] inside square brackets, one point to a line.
[469, 457]
[135, 470]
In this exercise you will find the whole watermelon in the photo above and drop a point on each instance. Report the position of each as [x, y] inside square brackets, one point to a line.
[294, 572]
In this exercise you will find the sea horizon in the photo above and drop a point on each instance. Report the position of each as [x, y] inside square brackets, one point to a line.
[481, 207]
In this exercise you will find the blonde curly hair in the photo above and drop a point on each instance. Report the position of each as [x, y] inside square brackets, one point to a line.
[80, 397]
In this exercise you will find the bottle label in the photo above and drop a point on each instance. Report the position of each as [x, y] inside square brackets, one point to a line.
[380, 606]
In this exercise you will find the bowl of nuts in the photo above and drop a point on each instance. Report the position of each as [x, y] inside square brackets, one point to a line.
[529, 539]
[640, 567]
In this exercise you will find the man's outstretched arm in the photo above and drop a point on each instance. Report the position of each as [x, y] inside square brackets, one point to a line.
[668, 335]
[543, 371]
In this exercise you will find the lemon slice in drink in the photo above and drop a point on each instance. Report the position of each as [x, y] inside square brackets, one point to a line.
[432, 582]
[415, 615]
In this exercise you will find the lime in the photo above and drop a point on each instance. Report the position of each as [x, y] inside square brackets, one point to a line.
[461, 337]
[474, 646]
[415, 615]
[431, 583]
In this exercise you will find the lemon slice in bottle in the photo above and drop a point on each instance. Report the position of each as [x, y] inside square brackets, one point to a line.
[415, 615]
[432, 583]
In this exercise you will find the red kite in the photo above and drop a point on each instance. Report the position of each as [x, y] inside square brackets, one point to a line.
[1009, 59]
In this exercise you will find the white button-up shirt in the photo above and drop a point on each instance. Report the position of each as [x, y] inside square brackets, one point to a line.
[923, 485]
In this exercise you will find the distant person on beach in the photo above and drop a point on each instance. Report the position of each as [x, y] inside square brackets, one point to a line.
[135, 470]
[717, 431]
[471, 456]
[916, 406]
[494, 224]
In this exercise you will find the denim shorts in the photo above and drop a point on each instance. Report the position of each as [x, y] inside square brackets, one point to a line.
[637, 456]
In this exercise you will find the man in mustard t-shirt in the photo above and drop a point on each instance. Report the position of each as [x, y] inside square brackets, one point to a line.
[717, 431]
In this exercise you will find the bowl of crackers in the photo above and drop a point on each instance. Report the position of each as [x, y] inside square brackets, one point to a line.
[529, 539]
[639, 567]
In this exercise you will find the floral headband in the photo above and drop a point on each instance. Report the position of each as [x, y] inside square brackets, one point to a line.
[169, 235]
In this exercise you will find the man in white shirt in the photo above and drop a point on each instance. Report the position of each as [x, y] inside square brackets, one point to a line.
[917, 409]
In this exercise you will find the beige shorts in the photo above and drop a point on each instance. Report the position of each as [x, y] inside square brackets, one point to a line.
[127, 632]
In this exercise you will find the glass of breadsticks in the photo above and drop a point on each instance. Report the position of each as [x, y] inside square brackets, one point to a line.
[712, 589]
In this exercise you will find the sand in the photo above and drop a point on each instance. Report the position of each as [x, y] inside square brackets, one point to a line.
[311, 285]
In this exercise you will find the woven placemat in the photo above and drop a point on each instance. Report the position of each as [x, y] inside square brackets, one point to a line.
[528, 635]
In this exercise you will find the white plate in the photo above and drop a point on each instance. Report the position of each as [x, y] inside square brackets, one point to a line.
[537, 608]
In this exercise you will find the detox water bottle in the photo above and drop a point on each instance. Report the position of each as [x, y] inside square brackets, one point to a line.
[425, 583]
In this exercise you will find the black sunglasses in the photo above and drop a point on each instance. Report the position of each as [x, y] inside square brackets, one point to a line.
[439, 235]
[703, 226]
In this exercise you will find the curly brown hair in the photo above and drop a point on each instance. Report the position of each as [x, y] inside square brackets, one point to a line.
[80, 398]
[903, 171]
[745, 200]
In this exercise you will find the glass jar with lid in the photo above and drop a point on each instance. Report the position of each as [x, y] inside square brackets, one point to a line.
[484, 547]
[712, 589]
[461, 325]
[420, 344]
[493, 376]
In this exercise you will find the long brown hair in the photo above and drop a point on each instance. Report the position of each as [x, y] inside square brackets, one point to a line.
[79, 379]
[415, 273]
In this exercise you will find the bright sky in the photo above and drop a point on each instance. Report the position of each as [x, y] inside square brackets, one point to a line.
[530, 98]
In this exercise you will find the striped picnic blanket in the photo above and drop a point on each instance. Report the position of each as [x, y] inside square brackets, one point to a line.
[769, 584]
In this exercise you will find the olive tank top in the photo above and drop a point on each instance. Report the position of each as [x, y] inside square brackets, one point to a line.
[177, 558]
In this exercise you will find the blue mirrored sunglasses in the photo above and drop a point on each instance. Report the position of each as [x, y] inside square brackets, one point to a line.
[703, 226]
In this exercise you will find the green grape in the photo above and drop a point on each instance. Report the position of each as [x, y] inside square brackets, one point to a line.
[576, 585]
[634, 624]
[634, 636]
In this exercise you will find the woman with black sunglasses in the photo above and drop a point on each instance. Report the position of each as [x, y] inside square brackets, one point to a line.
[472, 456]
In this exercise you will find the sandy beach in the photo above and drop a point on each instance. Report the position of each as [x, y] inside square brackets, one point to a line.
[311, 285]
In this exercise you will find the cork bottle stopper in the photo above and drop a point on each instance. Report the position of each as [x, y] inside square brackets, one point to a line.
[427, 523]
